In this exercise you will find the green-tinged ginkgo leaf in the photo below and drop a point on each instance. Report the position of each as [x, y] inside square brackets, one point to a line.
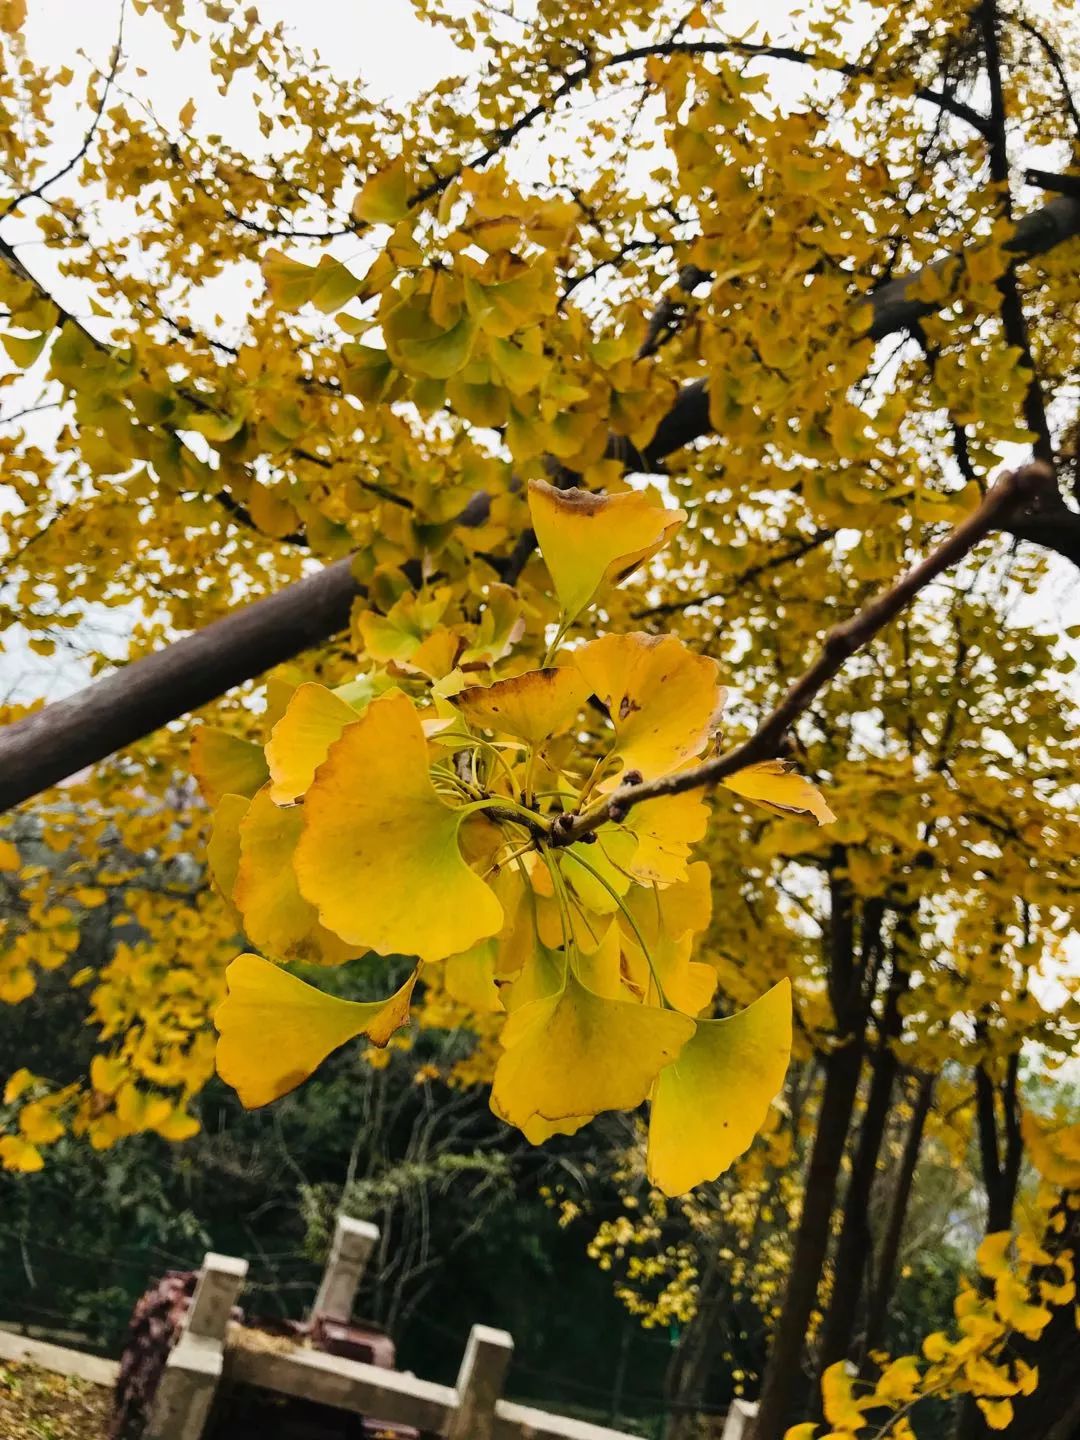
[384, 197]
[589, 540]
[531, 707]
[292, 284]
[574, 1053]
[708, 1105]
[777, 786]
[373, 813]
[23, 350]
[274, 1030]
[441, 354]
[662, 698]
[276, 916]
[599, 873]
[223, 847]
[298, 743]
[226, 764]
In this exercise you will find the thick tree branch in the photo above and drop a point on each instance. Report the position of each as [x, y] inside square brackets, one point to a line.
[68, 735]
[1014, 489]
[120, 714]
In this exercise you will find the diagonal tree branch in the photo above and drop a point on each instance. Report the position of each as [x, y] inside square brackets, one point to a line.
[122, 708]
[64, 737]
[1014, 489]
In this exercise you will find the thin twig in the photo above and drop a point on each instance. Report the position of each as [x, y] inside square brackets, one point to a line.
[1013, 490]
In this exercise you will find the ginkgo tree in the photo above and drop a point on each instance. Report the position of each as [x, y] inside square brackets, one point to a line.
[495, 433]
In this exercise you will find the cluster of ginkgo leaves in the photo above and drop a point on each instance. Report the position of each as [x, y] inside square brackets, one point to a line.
[1024, 1279]
[433, 824]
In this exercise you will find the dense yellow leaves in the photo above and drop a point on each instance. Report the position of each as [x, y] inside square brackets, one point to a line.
[588, 541]
[373, 812]
[1054, 1152]
[709, 1104]
[275, 1030]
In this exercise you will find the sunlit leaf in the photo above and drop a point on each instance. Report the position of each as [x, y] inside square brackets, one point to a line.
[275, 1031]
[662, 698]
[575, 1053]
[589, 541]
[709, 1104]
[372, 814]
[777, 786]
[313, 720]
[531, 707]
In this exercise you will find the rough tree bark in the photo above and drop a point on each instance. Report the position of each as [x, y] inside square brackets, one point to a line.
[782, 1380]
[855, 1245]
[900, 1186]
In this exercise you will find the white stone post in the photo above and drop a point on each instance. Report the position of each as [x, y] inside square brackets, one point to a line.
[192, 1372]
[480, 1383]
[352, 1247]
[739, 1419]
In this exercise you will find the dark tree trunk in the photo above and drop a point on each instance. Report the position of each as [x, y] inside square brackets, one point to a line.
[843, 1066]
[901, 1184]
[854, 1248]
[1000, 1158]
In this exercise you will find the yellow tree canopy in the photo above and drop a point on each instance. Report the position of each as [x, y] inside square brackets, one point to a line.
[547, 437]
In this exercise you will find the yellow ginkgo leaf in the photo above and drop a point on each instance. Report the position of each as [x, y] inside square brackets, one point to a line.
[666, 829]
[710, 1103]
[687, 984]
[384, 197]
[19, 1155]
[776, 785]
[538, 1130]
[223, 847]
[574, 1053]
[274, 1031]
[662, 698]
[531, 707]
[379, 854]
[276, 916]
[226, 764]
[18, 1082]
[998, 1413]
[9, 856]
[843, 1409]
[313, 720]
[39, 1124]
[471, 978]
[1055, 1154]
[590, 540]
